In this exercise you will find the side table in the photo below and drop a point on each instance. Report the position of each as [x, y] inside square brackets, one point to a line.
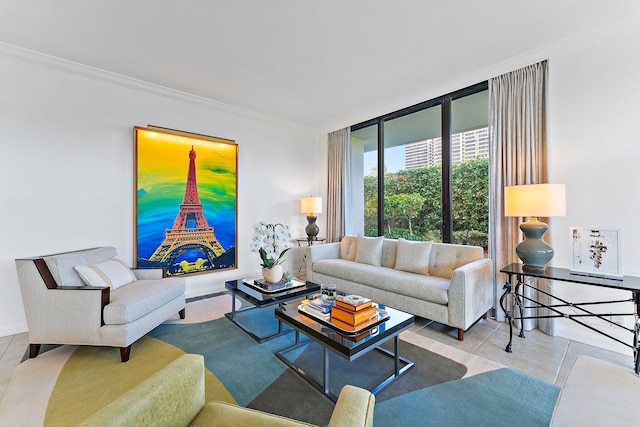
[302, 253]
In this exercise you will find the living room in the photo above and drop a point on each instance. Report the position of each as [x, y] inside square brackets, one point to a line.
[67, 132]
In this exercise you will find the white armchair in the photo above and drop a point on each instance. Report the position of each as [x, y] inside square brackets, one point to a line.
[62, 309]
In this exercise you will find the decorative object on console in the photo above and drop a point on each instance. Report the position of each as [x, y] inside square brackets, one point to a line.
[596, 252]
[534, 200]
[311, 206]
[271, 241]
[168, 179]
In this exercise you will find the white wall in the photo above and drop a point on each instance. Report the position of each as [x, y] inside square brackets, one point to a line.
[595, 111]
[66, 165]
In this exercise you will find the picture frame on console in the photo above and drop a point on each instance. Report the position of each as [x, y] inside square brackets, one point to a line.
[596, 252]
[185, 201]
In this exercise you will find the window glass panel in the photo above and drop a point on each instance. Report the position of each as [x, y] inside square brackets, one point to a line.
[470, 169]
[364, 144]
[412, 176]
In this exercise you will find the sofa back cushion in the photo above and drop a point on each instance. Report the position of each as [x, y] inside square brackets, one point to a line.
[389, 253]
[369, 250]
[446, 257]
[62, 266]
[348, 248]
[413, 256]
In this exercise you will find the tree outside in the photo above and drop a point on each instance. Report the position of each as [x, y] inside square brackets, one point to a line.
[413, 204]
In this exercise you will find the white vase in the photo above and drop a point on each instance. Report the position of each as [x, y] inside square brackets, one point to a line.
[273, 274]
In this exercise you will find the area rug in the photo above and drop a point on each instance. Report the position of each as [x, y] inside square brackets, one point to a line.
[239, 370]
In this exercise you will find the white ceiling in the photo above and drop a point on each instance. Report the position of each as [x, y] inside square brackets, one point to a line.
[316, 63]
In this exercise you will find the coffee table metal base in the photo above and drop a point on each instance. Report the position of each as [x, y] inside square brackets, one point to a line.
[323, 386]
[232, 316]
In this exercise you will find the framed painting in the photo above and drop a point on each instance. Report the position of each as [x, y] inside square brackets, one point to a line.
[596, 252]
[185, 201]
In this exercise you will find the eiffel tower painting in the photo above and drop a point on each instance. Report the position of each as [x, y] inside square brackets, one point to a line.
[190, 245]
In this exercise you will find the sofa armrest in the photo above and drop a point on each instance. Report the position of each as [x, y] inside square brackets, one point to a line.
[470, 293]
[354, 408]
[149, 273]
[318, 252]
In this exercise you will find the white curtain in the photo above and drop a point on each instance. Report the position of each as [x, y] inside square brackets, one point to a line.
[518, 155]
[339, 211]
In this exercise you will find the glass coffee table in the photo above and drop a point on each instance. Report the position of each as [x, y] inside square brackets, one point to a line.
[350, 346]
[260, 299]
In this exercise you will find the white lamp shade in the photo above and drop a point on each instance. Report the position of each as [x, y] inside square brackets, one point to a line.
[535, 200]
[311, 205]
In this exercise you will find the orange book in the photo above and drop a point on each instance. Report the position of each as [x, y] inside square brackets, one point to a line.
[353, 318]
[353, 328]
[350, 307]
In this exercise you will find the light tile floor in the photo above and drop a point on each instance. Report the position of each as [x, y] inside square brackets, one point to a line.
[539, 355]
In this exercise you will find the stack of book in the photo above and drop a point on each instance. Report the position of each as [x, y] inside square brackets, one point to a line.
[353, 312]
[320, 308]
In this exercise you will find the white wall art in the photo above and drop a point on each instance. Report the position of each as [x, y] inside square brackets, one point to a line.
[596, 252]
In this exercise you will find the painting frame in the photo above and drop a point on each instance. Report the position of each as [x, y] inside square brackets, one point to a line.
[596, 252]
[185, 201]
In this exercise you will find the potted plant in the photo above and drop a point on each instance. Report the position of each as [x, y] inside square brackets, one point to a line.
[271, 241]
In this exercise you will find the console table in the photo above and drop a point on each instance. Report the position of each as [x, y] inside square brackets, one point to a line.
[626, 283]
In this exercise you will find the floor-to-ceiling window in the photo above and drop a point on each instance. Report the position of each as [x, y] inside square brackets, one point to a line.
[424, 170]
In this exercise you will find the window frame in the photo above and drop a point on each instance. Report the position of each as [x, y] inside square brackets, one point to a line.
[444, 102]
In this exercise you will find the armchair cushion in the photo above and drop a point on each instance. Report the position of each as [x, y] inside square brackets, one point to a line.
[138, 298]
[62, 266]
[112, 273]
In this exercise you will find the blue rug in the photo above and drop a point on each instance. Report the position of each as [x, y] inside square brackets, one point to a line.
[429, 394]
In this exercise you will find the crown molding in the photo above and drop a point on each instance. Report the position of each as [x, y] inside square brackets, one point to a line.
[42, 59]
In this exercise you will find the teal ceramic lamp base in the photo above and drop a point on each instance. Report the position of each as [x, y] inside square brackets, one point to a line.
[534, 252]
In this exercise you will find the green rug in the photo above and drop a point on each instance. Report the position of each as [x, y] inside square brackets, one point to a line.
[239, 370]
[430, 394]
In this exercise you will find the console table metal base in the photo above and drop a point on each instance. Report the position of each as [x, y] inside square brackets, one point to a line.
[323, 386]
[517, 292]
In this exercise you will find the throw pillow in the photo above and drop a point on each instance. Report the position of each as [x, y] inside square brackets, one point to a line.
[369, 250]
[413, 256]
[113, 273]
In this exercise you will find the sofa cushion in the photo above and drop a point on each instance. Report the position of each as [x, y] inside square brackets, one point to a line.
[369, 250]
[62, 266]
[348, 248]
[428, 288]
[413, 256]
[389, 253]
[138, 298]
[446, 257]
[112, 272]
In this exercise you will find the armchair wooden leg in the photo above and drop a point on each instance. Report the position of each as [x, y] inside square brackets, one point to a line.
[182, 313]
[125, 352]
[460, 334]
[34, 349]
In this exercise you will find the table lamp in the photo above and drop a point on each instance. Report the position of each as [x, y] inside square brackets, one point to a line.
[534, 200]
[311, 206]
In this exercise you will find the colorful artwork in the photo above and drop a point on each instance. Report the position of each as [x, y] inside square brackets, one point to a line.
[185, 201]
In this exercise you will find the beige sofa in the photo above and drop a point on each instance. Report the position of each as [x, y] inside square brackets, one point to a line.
[451, 284]
[118, 306]
[175, 396]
